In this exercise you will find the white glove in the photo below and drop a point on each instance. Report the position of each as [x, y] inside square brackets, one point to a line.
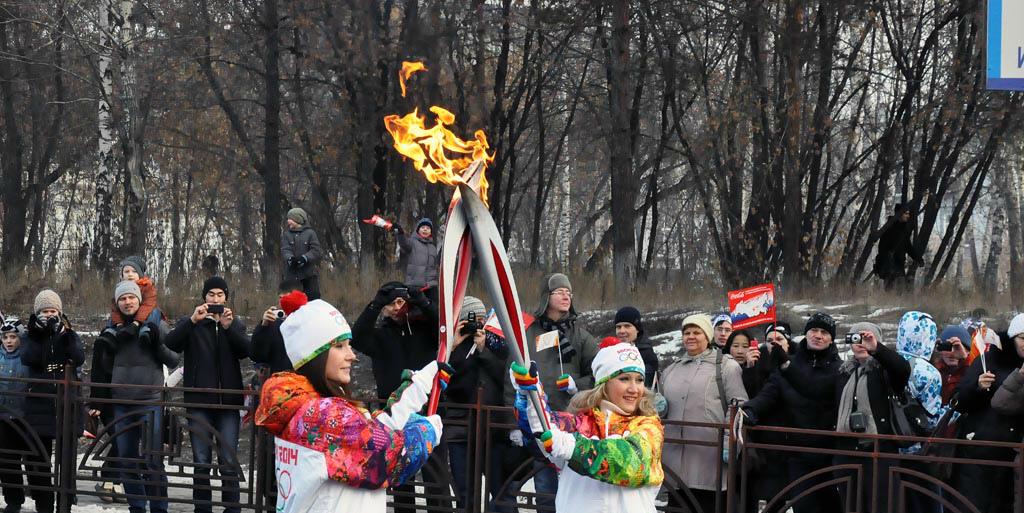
[516, 437]
[557, 444]
[435, 421]
[412, 398]
[567, 384]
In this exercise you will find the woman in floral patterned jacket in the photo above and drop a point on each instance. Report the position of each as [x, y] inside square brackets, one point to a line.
[331, 453]
[608, 448]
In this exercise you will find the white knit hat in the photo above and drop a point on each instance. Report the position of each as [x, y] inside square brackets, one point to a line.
[311, 330]
[614, 359]
[1016, 326]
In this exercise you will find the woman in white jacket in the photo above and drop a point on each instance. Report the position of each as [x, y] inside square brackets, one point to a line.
[331, 453]
[608, 447]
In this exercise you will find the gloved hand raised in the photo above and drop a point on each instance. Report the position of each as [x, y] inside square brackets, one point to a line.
[567, 384]
[557, 444]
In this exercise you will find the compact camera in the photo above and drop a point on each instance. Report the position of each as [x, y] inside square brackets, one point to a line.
[943, 346]
[858, 421]
[853, 338]
[279, 313]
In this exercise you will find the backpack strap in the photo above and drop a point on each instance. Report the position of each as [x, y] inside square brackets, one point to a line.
[721, 383]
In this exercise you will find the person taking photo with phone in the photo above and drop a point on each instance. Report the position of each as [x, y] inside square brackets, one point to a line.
[213, 341]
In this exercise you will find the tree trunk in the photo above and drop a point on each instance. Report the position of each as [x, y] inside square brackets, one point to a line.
[1015, 219]
[624, 186]
[995, 248]
[273, 220]
[792, 114]
[110, 26]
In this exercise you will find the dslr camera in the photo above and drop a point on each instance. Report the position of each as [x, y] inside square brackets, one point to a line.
[854, 338]
[472, 325]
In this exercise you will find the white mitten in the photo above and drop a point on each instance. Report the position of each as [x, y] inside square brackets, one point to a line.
[435, 421]
[516, 437]
[557, 444]
[414, 395]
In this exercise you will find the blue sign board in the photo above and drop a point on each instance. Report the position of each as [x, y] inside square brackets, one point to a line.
[1005, 45]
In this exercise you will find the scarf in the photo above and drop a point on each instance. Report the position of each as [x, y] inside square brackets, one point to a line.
[856, 386]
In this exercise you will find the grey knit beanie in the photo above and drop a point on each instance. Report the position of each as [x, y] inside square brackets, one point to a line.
[47, 298]
[299, 216]
[868, 326]
[472, 304]
[136, 262]
[127, 287]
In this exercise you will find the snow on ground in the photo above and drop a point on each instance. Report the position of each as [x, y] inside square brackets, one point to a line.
[667, 344]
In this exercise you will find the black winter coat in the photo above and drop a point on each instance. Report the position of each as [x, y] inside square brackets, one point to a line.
[394, 346]
[804, 393]
[979, 417]
[483, 369]
[754, 380]
[897, 373]
[894, 244]
[268, 347]
[211, 356]
[643, 344]
[133, 363]
[299, 243]
[45, 354]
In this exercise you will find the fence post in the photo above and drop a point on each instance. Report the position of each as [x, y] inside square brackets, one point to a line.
[730, 486]
[66, 443]
[480, 438]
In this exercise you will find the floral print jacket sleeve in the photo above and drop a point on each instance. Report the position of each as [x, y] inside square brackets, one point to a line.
[619, 450]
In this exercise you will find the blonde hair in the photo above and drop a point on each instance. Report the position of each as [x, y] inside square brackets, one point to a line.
[589, 399]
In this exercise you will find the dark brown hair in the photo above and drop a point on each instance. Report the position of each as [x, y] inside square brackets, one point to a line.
[315, 371]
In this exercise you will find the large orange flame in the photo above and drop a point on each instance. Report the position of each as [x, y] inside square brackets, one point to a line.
[429, 148]
[408, 68]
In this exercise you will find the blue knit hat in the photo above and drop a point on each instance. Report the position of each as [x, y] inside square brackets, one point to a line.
[425, 221]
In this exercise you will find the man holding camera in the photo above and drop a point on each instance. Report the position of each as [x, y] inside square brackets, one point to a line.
[950, 358]
[267, 342]
[406, 337]
[863, 387]
[213, 341]
[301, 251]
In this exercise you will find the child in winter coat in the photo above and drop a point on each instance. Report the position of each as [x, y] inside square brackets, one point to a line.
[331, 453]
[12, 406]
[608, 447]
[133, 268]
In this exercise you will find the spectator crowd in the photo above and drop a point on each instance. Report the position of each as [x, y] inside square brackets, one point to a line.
[607, 407]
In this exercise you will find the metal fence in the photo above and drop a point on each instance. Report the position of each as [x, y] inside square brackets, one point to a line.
[496, 476]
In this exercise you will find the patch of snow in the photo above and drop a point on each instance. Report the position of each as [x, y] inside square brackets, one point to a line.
[835, 307]
[670, 343]
[882, 311]
[801, 308]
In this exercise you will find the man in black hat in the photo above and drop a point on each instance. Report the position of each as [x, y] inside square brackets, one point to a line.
[213, 342]
[894, 244]
[803, 391]
[629, 329]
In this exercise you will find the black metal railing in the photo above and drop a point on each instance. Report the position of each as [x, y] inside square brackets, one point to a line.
[873, 478]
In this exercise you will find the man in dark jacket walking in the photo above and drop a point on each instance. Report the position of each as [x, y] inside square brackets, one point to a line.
[894, 244]
[301, 251]
[804, 390]
[213, 341]
[137, 357]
